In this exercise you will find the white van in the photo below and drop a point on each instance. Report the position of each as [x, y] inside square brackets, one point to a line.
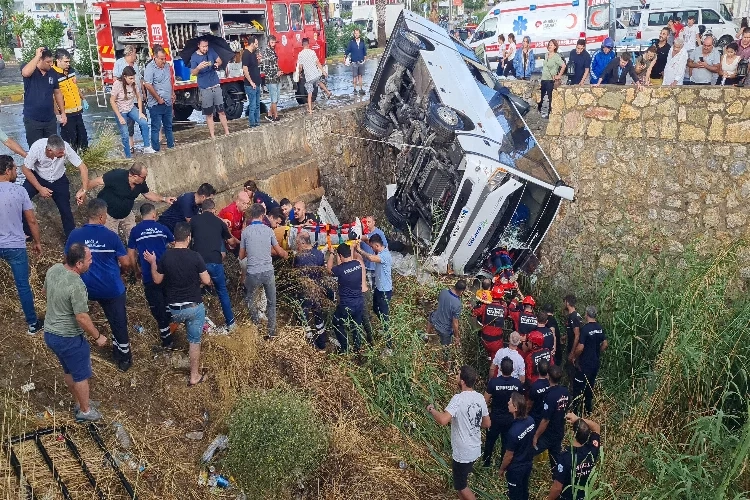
[543, 20]
[715, 16]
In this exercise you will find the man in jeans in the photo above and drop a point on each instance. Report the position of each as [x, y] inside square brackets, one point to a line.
[40, 87]
[356, 51]
[67, 319]
[16, 208]
[128, 59]
[269, 63]
[157, 81]
[149, 235]
[209, 233]
[251, 70]
[204, 64]
[183, 272]
[258, 240]
[44, 168]
[103, 281]
[383, 290]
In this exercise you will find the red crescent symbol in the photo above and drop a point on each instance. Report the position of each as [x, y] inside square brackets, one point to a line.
[575, 21]
[592, 20]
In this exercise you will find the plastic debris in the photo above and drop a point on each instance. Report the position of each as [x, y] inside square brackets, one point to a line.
[195, 435]
[168, 423]
[402, 465]
[26, 388]
[122, 435]
[138, 329]
[220, 442]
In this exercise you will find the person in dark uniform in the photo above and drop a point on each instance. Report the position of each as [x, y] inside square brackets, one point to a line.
[551, 431]
[573, 330]
[535, 356]
[575, 465]
[525, 320]
[517, 460]
[538, 390]
[491, 317]
[310, 261]
[547, 333]
[352, 283]
[552, 325]
[499, 390]
[592, 343]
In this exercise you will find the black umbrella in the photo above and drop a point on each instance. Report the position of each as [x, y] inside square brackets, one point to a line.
[218, 44]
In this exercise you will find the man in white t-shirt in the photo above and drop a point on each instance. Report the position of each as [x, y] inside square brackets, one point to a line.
[307, 61]
[467, 413]
[519, 366]
[44, 168]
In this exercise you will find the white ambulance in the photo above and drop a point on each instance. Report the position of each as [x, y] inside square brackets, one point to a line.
[566, 21]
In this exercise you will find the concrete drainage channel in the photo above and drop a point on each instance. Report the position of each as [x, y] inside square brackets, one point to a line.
[73, 459]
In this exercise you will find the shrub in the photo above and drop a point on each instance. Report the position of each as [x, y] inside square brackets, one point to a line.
[275, 442]
[338, 38]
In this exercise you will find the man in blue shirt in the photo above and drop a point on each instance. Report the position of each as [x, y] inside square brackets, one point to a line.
[551, 431]
[369, 229]
[40, 86]
[204, 64]
[154, 237]
[102, 280]
[383, 290]
[356, 51]
[352, 283]
[592, 342]
[258, 196]
[157, 80]
[187, 206]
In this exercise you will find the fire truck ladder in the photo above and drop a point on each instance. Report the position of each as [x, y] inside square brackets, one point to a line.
[90, 17]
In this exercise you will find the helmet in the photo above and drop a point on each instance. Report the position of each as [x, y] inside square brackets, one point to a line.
[498, 292]
[608, 42]
[536, 338]
[529, 301]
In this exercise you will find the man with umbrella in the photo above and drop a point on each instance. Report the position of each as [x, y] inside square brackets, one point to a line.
[204, 63]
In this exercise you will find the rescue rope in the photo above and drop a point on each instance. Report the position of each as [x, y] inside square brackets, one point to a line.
[381, 141]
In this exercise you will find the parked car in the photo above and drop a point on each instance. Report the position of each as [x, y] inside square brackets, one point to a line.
[471, 176]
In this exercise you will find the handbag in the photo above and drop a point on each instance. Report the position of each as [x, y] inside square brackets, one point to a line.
[295, 76]
[571, 68]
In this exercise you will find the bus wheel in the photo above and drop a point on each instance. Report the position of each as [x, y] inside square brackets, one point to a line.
[234, 100]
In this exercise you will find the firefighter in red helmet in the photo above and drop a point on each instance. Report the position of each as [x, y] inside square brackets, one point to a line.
[537, 353]
[491, 317]
[524, 320]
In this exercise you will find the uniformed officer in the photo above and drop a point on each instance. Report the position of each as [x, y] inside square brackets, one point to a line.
[499, 390]
[535, 356]
[525, 320]
[575, 465]
[491, 318]
[592, 343]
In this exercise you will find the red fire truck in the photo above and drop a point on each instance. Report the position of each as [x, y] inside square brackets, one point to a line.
[171, 24]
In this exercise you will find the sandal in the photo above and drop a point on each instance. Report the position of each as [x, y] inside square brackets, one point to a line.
[200, 381]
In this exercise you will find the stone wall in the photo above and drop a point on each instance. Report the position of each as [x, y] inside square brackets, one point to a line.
[654, 171]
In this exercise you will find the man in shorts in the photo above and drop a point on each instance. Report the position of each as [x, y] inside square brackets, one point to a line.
[307, 61]
[356, 52]
[204, 64]
[269, 65]
[467, 413]
[66, 321]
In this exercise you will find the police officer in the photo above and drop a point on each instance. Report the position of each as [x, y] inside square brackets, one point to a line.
[535, 356]
[575, 465]
[491, 317]
[499, 390]
[538, 390]
[591, 344]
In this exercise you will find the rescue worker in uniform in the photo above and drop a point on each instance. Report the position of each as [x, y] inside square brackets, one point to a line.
[491, 317]
[499, 390]
[537, 353]
[524, 321]
[549, 335]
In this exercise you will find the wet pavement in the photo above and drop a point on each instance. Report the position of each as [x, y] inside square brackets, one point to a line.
[97, 118]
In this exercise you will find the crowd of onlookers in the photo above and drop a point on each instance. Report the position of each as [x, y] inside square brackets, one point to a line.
[683, 54]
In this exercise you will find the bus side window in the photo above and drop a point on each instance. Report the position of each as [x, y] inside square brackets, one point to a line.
[280, 18]
[486, 30]
[296, 15]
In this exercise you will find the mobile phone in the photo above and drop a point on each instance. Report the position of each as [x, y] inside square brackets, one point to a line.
[700, 59]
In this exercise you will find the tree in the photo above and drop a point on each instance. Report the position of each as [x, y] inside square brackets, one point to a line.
[46, 32]
[83, 63]
[6, 23]
[380, 12]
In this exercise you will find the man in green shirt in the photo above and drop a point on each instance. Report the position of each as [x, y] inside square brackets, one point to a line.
[66, 321]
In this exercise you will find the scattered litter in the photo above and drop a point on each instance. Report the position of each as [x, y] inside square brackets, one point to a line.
[195, 435]
[220, 442]
[138, 329]
[205, 417]
[26, 388]
[168, 423]
[179, 361]
[208, 325]
[123, 460]
[132, 383]
[122, 435]
[402, 465]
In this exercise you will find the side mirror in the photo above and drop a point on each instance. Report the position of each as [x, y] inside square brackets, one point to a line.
[565, 192]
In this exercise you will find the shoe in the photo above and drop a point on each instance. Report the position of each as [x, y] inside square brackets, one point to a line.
[276, 119]
[92, 415]
[269, 118]
[361, 91]
[92, 404]
[169, 346]
[232, 327]
[36, 328]
[124, 366]
[269, 337]
[149, 150]
[545, 115]
[335, 342]
[262, 317]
